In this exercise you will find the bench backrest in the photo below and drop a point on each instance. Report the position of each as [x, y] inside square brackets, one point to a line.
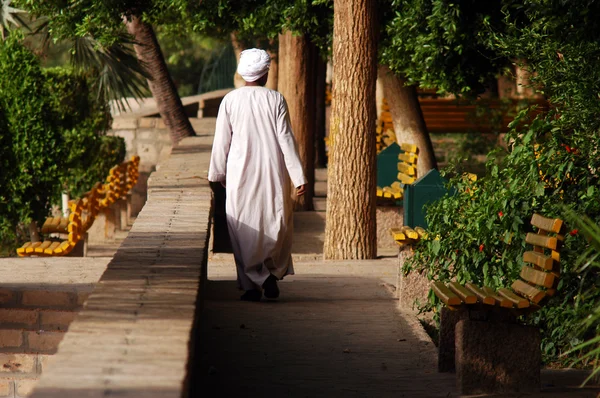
[407, 163]
[540, 274]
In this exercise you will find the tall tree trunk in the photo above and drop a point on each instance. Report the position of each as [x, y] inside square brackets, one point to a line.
[351, 230]
[238, 47]
[320, 128]
[296, 83]
[409, 124]
[161, 85]
[273, 80]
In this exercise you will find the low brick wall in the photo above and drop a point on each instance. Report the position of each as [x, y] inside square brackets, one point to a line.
[39, 298]
[135, 336]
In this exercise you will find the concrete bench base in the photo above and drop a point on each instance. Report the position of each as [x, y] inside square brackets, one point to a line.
[493, 357]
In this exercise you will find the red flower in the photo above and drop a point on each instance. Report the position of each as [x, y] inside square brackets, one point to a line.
[500, 214]
[481, 247]
[568, 149]
[573, 232]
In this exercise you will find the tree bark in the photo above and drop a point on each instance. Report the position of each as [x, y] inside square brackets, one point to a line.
[296, 83]
[161, 85]
[273, 80]
[407, 117]
[320, 84]
[238, 47]
[351, 230]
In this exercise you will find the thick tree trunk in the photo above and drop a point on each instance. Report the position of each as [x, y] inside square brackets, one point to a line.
[296, 83]
[351, 230]
[409, 124]
[273, 80]
[320, 128]
[161, 85]
[238, 47]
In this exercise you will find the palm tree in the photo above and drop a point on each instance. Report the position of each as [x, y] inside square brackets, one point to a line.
[96, 28]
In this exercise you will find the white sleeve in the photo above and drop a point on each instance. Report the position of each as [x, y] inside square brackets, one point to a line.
[220, 147]
[287, 143]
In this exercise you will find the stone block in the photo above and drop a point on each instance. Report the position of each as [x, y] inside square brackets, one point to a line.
[23, 318]
[147, 122]
[44, 342]
[6, 388]
[497, 357]
[122, 123]
[10, 338]
[127, 135]
[44, 362]
[47, 298]
[148, 152]
[24, 387]
[7, 296]
[56, 320]
[18, 363]
[412, 287]
[448, 320]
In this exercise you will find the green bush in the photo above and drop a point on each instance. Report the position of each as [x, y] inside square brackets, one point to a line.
[83, 119]
[52, 138]
[551, 165]
[31, 142]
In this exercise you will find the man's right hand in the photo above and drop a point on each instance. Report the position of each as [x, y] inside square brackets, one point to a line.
[301, 190]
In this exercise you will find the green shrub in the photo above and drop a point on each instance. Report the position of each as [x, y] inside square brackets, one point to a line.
[31, 142]
[52, 139]
[481, 229]
[83, 119]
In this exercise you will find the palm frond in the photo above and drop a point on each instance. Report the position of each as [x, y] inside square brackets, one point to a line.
[119, 72]
[9, 15]
[587, 262]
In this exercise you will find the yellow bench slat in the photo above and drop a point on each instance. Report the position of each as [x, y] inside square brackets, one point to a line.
[405, 179]
[548, 242]
[539, 259]
[547, 224]
[22, 250]
[32, 246]
[422, 233]
[407, 169]
[445, 294]
[51, 248]
[409, 232]
[526, 290]
[397, 234]
[518, 301]
[537, 277]
[503, 301]
[408, 147]
[409, 158]
[40, 249]
[482, 296]
[465, 294]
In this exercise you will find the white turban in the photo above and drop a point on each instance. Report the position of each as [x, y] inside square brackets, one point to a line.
[254, 64]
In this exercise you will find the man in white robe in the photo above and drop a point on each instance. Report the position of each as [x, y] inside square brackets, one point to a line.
[254, 155]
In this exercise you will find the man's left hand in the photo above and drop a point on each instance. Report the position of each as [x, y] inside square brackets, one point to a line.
[301, 190]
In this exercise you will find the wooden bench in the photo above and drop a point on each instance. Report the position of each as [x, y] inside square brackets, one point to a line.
[408, 236]
[90, 210]
[407, 173]
[58, 247]
[500, 354]
[128, 180]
